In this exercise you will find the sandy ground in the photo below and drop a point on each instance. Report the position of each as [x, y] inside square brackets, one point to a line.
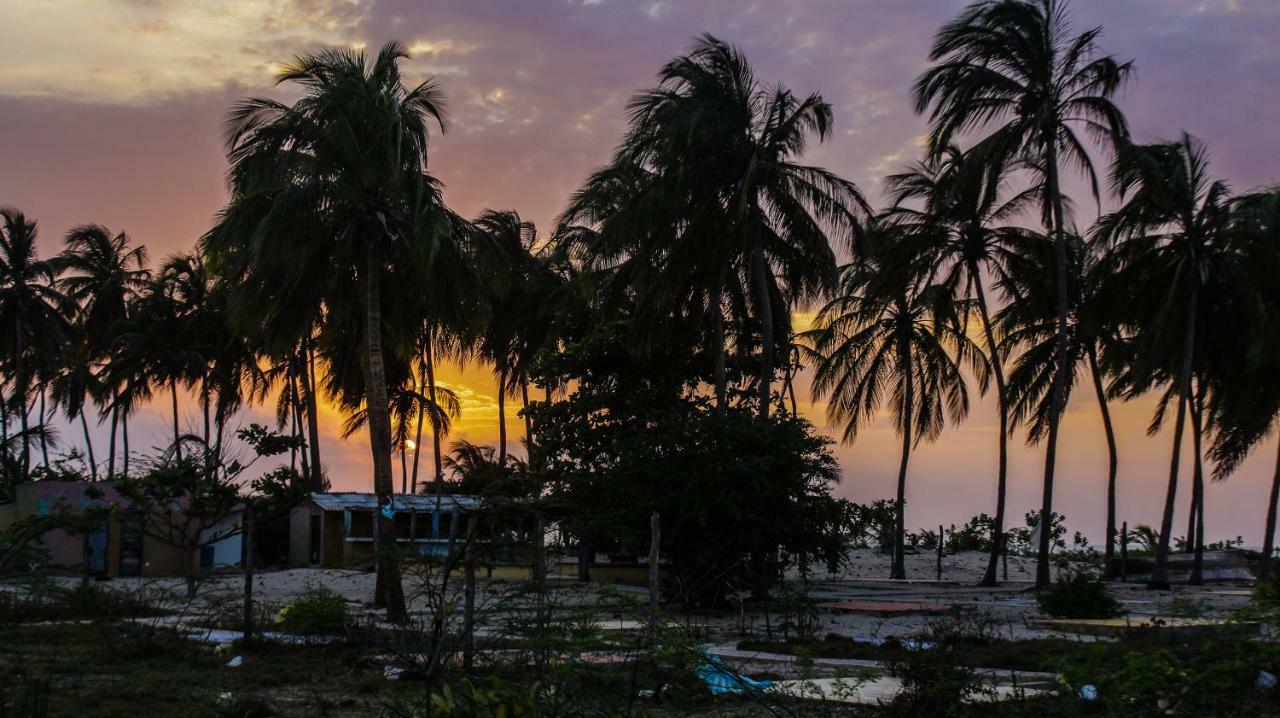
[1004, 609]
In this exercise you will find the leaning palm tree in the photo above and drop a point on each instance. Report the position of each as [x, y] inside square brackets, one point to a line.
[1017, 69]
[102, 273]
[1174, 238]
[957, 233]
[33, 318]
[887, 337]
[324, 197]
[1245, 398]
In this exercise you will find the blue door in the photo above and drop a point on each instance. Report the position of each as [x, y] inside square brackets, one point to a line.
[96, 550]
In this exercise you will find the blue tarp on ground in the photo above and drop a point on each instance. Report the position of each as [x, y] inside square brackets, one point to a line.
[721, 680]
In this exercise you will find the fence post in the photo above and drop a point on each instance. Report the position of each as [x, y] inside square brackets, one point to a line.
[655, 536]
[469, 597]
[246, 530]
[1124, 551]
[940, 541]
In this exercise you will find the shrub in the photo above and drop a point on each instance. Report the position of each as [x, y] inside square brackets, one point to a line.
[936, 681]
[1079, 594]
[319, 610]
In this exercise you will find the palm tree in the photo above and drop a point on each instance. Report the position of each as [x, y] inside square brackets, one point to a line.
[955, 234]
[102, 274]
[889, 337]
[1245, 398]
[33, 313]
[706, 192]
[325, 192]
[74, 383]
[1174, 236]
[1028, 322]
[1017, 68]
[504, 249]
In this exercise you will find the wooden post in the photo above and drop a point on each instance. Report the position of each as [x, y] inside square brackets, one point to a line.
[539, 561]
[941, 539]
[246, 531]
[585, 554]
[469, 597]
[1004, 556]
[1124, 551]
[655, 537]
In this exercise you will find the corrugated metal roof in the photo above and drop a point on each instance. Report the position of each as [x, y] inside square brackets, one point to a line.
[355, 501]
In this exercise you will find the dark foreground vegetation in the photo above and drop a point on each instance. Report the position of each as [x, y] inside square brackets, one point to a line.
[84, 652]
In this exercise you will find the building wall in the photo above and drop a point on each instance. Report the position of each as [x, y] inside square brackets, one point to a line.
[41, 498]
[300, 536]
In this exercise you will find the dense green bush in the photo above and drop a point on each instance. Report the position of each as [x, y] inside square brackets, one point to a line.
[319, 610]
[1079, 594]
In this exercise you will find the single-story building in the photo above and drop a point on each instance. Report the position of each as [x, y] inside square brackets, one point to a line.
[121, 545]
[337, 529]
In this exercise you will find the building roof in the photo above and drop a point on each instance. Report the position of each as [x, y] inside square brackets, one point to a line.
[425, 503]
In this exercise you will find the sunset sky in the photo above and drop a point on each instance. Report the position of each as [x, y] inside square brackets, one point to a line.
[110, 112]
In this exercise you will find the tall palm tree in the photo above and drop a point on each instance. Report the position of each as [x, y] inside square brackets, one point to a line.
[1017, 69]
[102, 273]
[1244, 397]
[890, 338]
[955, 233]
[1174, 238]
[157, 345]
[325, 192]
[33, 314]
[505, 260]
[1028, 322]
[707, 191]
[74, 383]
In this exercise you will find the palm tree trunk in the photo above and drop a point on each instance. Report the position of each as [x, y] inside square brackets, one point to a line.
[177, 440]
[124, 435]
[88, 446]
[422, 410]
[759, 270]
[1269, 536]
[1058, 401]
[20, 389]
[299, 418]
[502, 413]
[1195, 536]
[1002, 405]
[313, 415]
[717, 337]
[1160, 573]
[4, 418]
[1113, 463]
[435, 425]
[294, 431]
[204, 406]
[790, 377]
[44, 424]
[899, 569]
[404, 469]
[388, 590]
[528, 420]
[111, 446]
